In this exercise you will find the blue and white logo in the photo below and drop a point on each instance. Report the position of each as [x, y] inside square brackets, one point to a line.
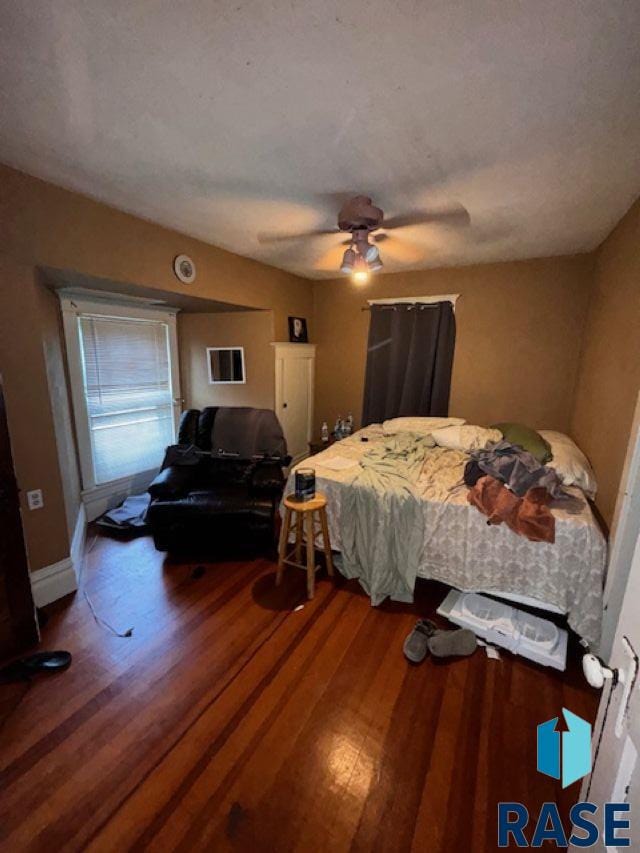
[565, 755]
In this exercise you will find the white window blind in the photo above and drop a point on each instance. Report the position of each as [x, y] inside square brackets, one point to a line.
[127, 387]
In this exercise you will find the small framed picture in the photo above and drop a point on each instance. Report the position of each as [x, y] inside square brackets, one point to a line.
[298, 330]
[226, 366]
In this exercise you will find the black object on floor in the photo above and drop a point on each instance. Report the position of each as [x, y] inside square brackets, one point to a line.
[198, 572]
[40, 662]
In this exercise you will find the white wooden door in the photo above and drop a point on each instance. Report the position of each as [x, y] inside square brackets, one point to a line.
[615, 777]
[625, 530]
[295, 369]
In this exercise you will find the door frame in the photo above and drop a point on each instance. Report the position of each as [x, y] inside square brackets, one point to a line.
[624, 533]
[283, 352]
[618, 697]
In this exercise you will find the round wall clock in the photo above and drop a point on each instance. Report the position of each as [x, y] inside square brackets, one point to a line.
[184, 268]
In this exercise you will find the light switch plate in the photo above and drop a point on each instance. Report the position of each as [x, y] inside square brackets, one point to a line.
[35, 499]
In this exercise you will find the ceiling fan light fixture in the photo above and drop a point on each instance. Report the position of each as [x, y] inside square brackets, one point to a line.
[360, 272]
[348, 261]
[376, 264]
[371, 254]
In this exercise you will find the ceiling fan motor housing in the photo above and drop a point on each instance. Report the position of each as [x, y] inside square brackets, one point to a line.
[360, 214]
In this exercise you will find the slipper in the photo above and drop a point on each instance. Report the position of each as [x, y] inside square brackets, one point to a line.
[45, 662]
[459, 643]
[416, 645]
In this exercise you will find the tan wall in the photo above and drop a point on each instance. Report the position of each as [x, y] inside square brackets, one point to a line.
[519, 332]
[44, 226]
[252, 330]
[519, 329]
[609, 376]
[22, 365]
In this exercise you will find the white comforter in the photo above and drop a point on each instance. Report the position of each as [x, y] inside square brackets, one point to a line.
[461, 550]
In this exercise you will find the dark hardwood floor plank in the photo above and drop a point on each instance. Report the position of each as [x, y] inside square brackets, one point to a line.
[264, 756]
[88, 675]
[164, 686]
[210, 747]
[232, 721]
[155, 656]
[430, 829]
[323, 755]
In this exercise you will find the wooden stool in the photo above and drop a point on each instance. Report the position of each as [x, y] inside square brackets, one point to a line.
[304, 518]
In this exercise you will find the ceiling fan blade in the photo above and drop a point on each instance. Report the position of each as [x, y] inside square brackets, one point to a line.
[400, 250]
[378, 237]
[456, 215]
[330, 260]
[268, 237]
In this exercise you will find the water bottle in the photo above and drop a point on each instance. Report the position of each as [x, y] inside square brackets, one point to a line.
[324, 432]
[349, 424]
[337, 430]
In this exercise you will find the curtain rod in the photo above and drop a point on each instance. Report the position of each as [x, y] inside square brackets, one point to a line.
[411, 301]
[408, 305]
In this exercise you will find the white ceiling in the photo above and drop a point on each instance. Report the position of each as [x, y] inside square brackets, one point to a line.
[225, 119]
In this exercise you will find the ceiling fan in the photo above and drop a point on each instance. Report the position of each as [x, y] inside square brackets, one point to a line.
[360, 217]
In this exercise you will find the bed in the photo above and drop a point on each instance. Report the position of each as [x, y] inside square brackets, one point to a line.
[461, 550]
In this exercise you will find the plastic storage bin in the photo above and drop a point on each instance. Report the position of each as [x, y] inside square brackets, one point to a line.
[498, 623]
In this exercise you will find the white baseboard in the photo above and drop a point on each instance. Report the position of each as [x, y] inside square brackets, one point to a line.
[55, 581]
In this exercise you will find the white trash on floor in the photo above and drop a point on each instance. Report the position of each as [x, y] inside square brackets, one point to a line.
[521, 633]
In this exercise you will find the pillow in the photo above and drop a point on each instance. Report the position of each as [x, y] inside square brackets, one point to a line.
[465, 438]
[418, 426]
[527, 439]
[570, 463]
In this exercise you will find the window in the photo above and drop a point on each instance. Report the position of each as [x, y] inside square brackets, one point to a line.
[124, 386]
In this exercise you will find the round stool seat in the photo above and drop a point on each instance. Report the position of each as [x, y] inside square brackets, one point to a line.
[317, 502]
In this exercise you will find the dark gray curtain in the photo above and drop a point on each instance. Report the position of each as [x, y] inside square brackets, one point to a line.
[409, 360]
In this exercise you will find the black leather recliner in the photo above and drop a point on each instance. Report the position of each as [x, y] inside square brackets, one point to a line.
[219, 489]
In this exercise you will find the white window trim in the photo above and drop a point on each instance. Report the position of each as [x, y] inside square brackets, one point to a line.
[426, 300]
[73, 305]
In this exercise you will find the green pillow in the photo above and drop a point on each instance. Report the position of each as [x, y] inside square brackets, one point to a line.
[527, 439]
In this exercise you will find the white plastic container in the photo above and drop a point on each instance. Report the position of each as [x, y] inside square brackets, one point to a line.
[498, 623]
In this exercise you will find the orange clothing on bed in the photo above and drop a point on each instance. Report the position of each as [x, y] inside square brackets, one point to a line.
[528, 516]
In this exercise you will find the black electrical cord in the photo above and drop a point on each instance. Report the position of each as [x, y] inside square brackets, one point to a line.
[104, 623]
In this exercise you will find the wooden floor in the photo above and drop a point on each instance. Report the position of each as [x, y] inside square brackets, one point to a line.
[231, 721]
